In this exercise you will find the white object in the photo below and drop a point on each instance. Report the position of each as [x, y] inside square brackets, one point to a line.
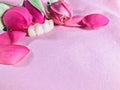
[39, 29]
[31, 31]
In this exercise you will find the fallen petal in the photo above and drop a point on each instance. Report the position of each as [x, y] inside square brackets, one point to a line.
[11, 37]
[12, 54]
[16, 35]
[94, 21]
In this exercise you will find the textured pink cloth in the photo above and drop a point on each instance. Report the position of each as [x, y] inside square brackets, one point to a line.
[71, 58]
[13, 2]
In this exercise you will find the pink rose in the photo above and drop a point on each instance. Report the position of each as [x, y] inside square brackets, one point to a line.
[60, 12]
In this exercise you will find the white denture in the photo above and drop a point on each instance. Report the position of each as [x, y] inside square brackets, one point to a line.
[31, 31]
[46, 26]
[39, 29]
[51, 23]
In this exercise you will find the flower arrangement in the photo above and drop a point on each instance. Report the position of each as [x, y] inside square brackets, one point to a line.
[33, 19]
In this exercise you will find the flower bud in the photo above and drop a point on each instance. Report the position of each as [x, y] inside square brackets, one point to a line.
[60, 12]
[17, 18]
[38, 16]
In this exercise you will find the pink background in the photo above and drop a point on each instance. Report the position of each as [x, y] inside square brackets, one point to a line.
[71, 58]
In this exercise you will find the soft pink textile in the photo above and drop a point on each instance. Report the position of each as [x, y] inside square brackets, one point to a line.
[12, 2]
[71, 58]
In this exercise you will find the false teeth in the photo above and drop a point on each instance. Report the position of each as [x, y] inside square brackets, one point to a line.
[51, 23]
[46, 27]
[31, 31]
[38, 29]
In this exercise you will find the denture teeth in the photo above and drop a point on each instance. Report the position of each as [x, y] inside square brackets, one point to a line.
[39, 29]
[46, 26]
[31, 31]
[51, 23]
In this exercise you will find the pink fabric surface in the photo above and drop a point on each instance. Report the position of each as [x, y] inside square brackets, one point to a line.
[12, 2]
[71, 58]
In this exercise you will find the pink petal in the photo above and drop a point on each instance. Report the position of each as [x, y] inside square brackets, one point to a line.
[38, 16]
[5, 39]
[17, 18]
[12, 54]
[11, 37]
[94, 21]
[16, 35]
[74, 22]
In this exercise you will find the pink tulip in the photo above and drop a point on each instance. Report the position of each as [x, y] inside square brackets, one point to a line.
[12, 54]
[94, 21]
[17, 18]
[60, 12]
[11, 37]
[38, 16]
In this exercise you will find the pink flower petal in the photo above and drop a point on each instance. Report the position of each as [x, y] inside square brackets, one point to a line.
[12, 54]
[38, 16]
[94, 21]
[74, 22]
[17, 18]
[11, 37]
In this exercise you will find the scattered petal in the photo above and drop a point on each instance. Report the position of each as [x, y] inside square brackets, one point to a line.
[94, 21]
[16, 35]
[11, 37]
[12, 54]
